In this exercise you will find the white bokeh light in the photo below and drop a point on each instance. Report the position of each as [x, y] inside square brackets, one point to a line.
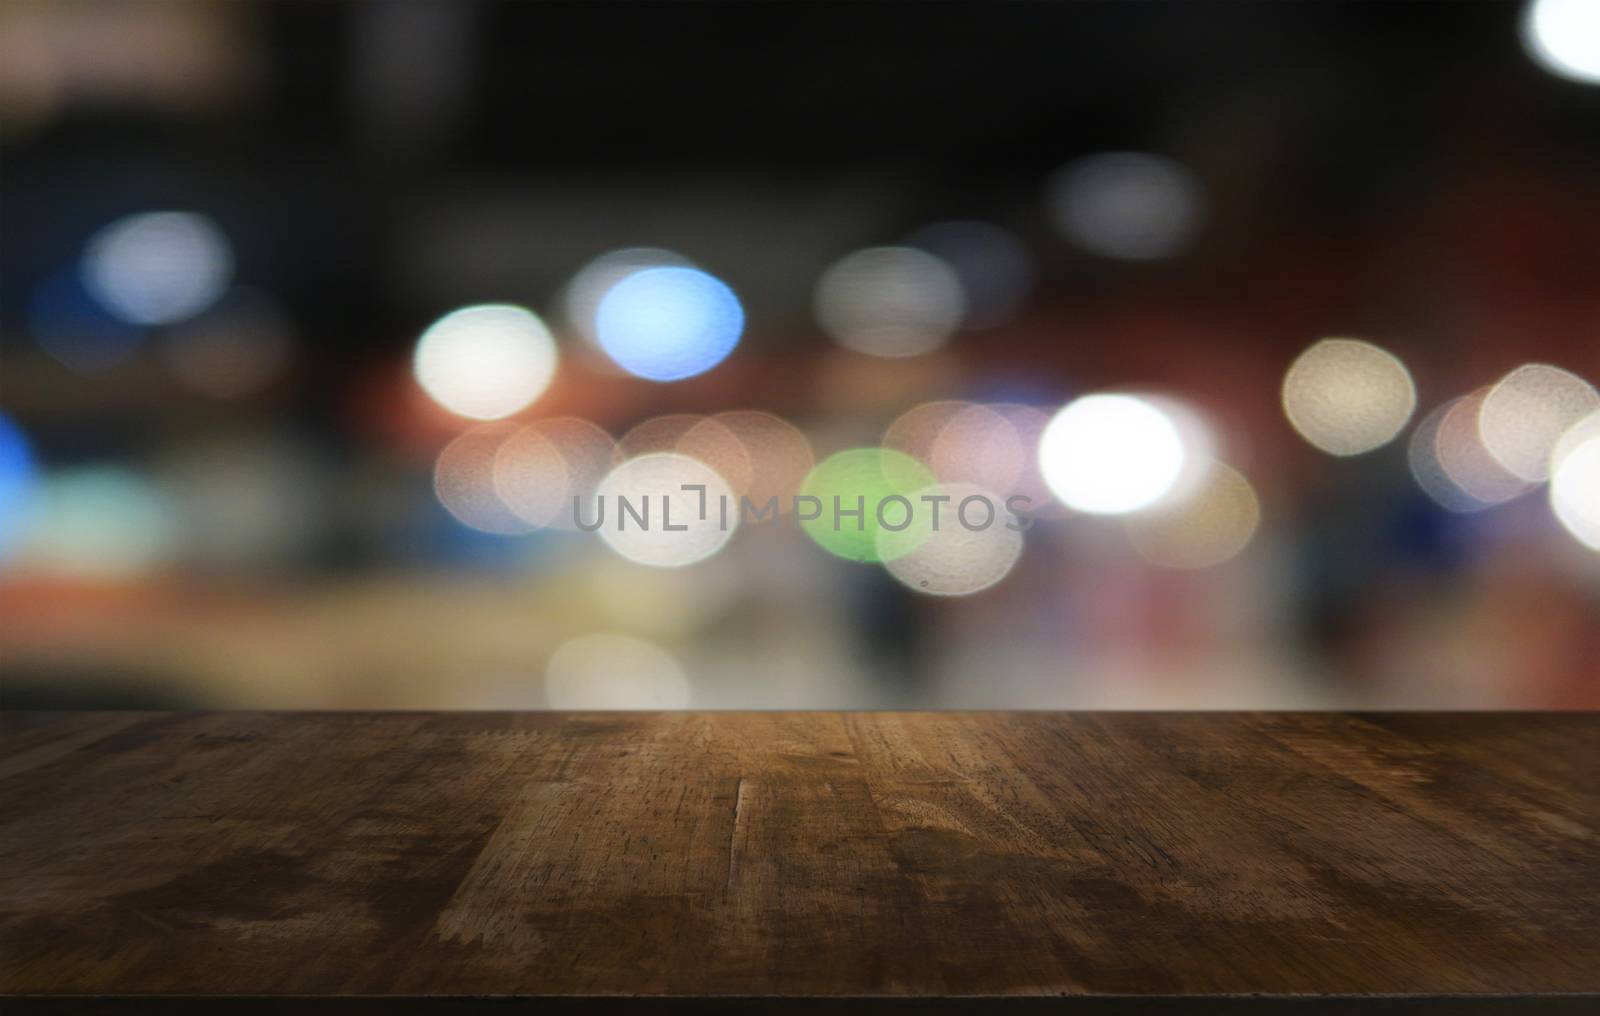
[953, 560]
[464, 481]
[890, 301]
[158, 268]
[1110, 454]
[1451, 464]
[701, 438]
[605, 671]
[547, 472]
[1132, 206]
[1575, 481]
[486, 362]
[1346, 396]
[778, 453]
[1524, 415]
[653, 485]
[1564, 37]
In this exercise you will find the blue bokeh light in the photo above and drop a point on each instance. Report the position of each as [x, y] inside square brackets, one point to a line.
[17, 472]
[669, 323]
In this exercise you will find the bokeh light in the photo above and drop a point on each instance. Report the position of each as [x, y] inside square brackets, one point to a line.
[1524, 415]
[863, 479]
[525, 480]
[1109, 454]
[778, 455]
[890, 301]
[1451, 464]
[915, 431]
[980, 445]
[1029, 422]
[237, 348]
[699, 437]
[530, 477]
[581, 301]
[487, 361]
[1209, 526]
[158, 268]
[464, 481]
[1563, 36]
[98, 523]
[995, 269]
[17, 475]
[540, 488]
[669, 323]
[1422, 453]
[1346, 396]
[1575, 481]
[1132, 206]
[955, 559]
[653, 485]
[605, 671]
[994, 446]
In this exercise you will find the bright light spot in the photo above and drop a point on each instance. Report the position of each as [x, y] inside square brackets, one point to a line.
[464, 481]
[485, 362]
[1211, 525]
[159, 267]
[861, 480]
[890, 301]
[995, 269]
[1127, 205]
[1564, 37]
[778, 454]
[240, 347]
[1523, 416]
[1346, 396]
[1111, 454]
[645, 496]
[1452, 466]
[17, 475]
[605, 671]
[699, 437]
[98, 523]
[541, 468]
[953, 560]
[1575, 481]
[595, 279]
[669, 323]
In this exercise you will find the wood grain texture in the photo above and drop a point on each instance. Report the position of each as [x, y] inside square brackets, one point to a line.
[798, 854]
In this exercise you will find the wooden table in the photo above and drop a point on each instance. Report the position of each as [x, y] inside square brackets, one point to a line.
[753, 862]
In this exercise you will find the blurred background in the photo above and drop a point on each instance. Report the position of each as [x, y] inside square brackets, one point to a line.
[316, 318]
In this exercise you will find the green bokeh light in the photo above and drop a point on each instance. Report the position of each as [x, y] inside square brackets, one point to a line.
[866, 476]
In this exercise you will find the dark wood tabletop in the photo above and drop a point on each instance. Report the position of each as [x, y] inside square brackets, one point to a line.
[1074, 862]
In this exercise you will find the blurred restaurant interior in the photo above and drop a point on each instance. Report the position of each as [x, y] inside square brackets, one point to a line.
[321, 324]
